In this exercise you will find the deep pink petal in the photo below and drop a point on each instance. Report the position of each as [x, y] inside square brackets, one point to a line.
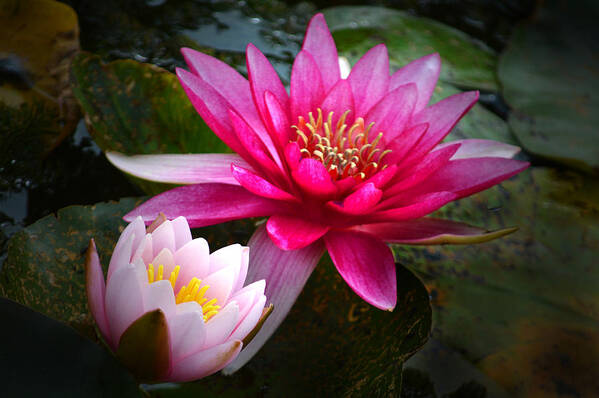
[314, 178]
[344, 185]
[258, 185]
[394, 111]
[369, 79]
[339, 100]
[366, 264]
[381, 178]
[361, 201]
[415, 207]
[205, 362]
[306, 89]
[478, 148]
[180, 168]
[320, 44]
[468, 176]
[207, 204]
[277, 120]
[432, 231]
[286, 273]
[423, 72]
[292, 155]
[291, 233]
[96, 289]
[263, 77]
[441, 118]
[402, 145]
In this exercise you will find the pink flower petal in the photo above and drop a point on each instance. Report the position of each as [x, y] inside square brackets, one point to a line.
[314, 178]
[182, 232]
[243, 270]
[286, 273]
[424, 72]
[124, 301]
[221, 284]
[432, 231]
[277, 120]
[205, 362]
[392, 113]
[207, 204]
[245, 300]
[381, 178]
[179, 169]
[96, 289]
[306, 89]
[249, 322]
[144, 251]
[219, 327]
[291, 233]
[366, 264]
[129, 240]
[159, 295]
[403, 144]
[163, 237]
[414, 207]
[292, 155]
[468, 176]
[320, 44]
[338, 100]
[166, 259]
[193, 258]
[477, 148]
[228, 256]
[263, 77]
[258, 185]
[362, 200]
[187, 330]
[369, 79]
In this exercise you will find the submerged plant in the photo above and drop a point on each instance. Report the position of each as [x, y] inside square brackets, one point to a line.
[170, 310]
[345, 164]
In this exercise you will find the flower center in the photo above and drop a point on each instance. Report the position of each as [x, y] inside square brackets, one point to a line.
[193, 291]
[345, 152]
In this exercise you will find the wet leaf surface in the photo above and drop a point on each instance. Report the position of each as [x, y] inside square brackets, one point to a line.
[42, 357]
[549, 76]
[466, 62]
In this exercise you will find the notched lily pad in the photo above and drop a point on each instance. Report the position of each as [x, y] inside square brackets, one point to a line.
[466, 61]
[549, 76]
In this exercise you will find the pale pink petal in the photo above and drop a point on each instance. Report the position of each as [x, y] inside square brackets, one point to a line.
[432, 231]
[96, 289]
[205, 362]
[286, 273]
[360, 201]
[219, 327]
[320, 44]
[228, 256]
[467, 176]
[193, 258]
[369, 79]
[187, 330]
[159, 295]
[128, 242]
[179, 169]
[207, 204]
[478, 148]
[144, 250]
[165, 258]
[339, 100]
[124, 301]
[163, 237]
[314, 178]
[263, 77]
[393, 112]
[258, 185]
[306, 89]
[245, 301]
[182, 232]
[249, 322]
[414, 207]
[423, 72]
[366, 264]
[221, 284]
[243, 270]
[291, 233]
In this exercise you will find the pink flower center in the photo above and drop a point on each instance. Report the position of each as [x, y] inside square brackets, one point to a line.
[345, 152]
[193, 291]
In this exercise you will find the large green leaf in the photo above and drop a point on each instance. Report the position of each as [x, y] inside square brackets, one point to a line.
[466, 62]
[45, 358]
[549, 77]
[44, 268]
[524, 309]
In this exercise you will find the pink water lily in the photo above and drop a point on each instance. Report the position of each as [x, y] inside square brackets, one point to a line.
[170, 310]
[342, 164]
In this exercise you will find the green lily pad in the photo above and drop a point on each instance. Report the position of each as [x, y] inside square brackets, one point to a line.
[525, 308]
[45, 358]
[466, 61]
[549, 77]
[44, 268]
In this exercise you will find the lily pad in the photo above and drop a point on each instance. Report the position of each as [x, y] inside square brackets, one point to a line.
[466, 61]
[549, 76]
[45, 358]
[44, 268]
[525, 308]
[38, 40]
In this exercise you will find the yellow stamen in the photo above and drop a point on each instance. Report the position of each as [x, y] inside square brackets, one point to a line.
[150, 273]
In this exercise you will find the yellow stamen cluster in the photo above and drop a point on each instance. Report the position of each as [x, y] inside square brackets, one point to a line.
[344, 151]
[193, 291]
